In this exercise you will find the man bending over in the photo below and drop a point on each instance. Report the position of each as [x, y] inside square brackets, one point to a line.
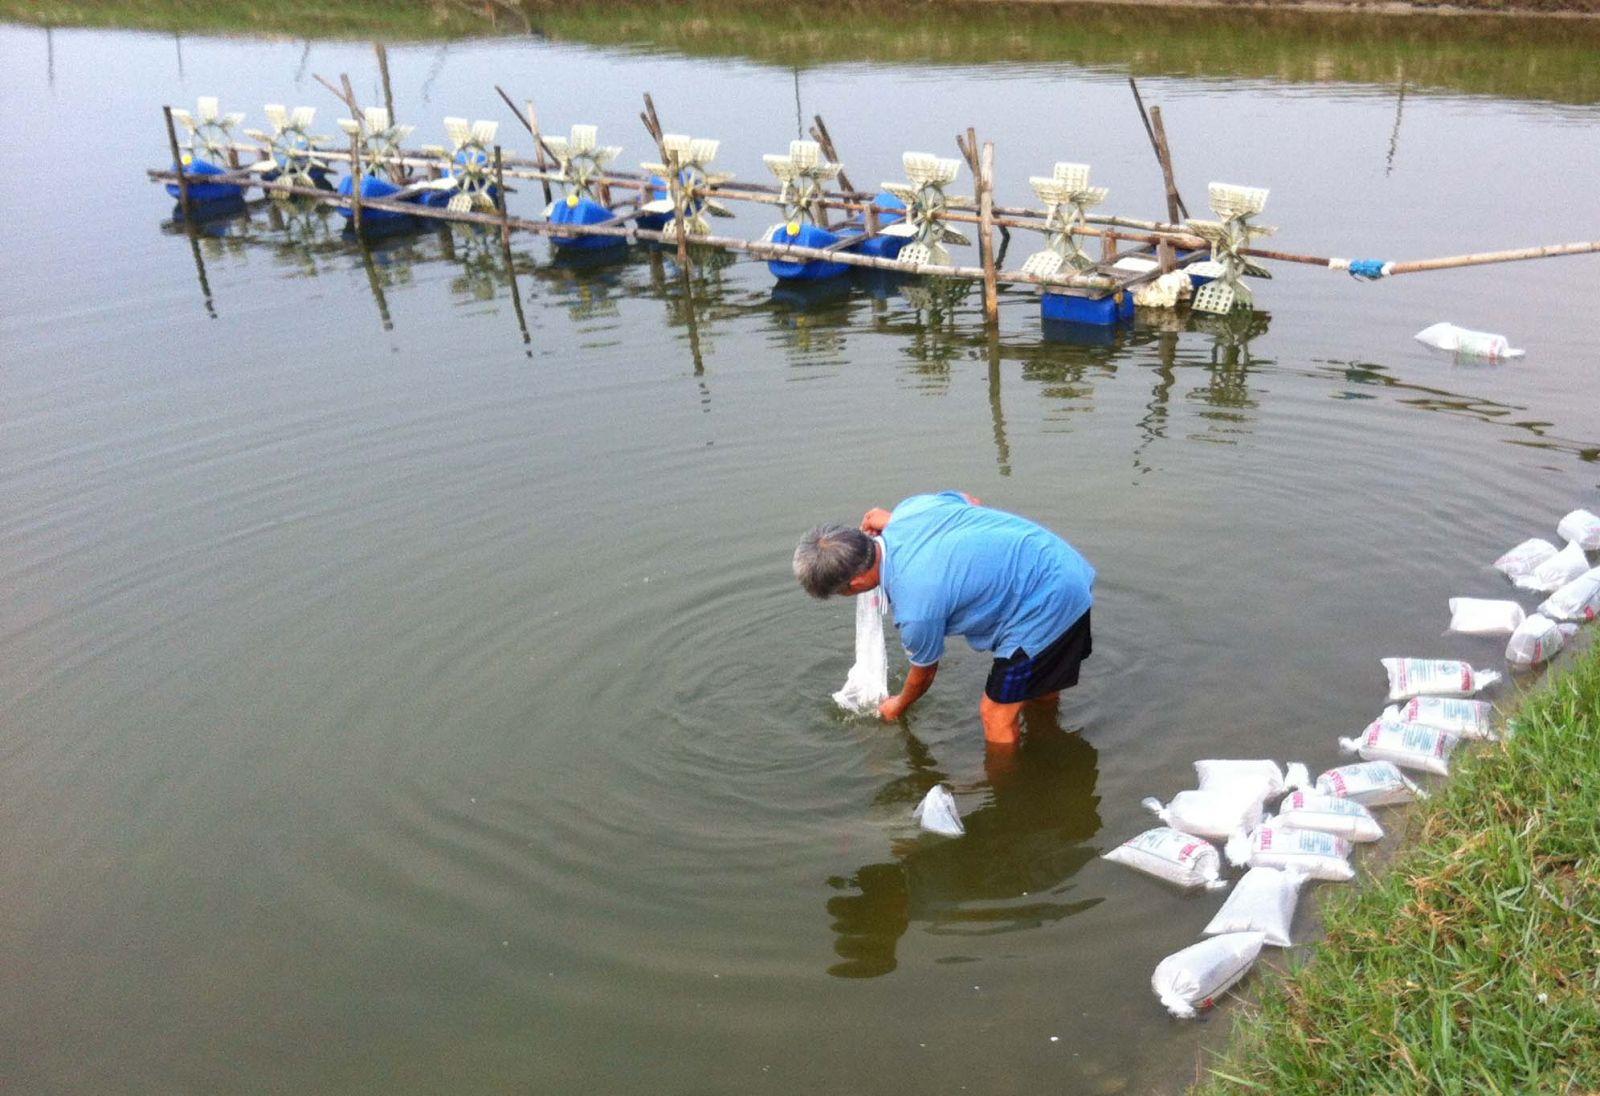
[951, 566]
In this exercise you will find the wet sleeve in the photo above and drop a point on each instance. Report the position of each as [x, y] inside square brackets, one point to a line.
[923, 640]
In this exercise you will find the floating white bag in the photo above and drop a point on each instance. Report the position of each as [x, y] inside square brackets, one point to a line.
[937, 812]
[1581, 528]
[1213, 774]
[1409, 745]
[1370, 783]
[1460, 340]
[1409, 677]
[1476, 616]
[1263, 901]
[1313, 853]
[1577, 600]
[1172, 855]
[1192, 979]
[1521, 560]
[1215, 812]
[1556, 571]
[1462, 718]
[867, 685]
[1537, 640]
[1329, 814]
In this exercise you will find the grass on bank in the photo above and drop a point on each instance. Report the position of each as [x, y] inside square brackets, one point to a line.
[1473, 964]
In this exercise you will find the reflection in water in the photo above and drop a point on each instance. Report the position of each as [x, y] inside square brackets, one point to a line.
[1010, 872]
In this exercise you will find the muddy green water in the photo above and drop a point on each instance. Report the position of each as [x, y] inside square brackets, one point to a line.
[404, 692]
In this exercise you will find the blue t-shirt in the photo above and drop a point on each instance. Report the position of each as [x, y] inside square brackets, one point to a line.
[1003, 582]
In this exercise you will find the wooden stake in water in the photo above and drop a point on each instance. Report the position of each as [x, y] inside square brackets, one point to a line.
[356, 179]
[178, 164]
[991, 291]
[1175, 204]
[674, 182]
[500, 200]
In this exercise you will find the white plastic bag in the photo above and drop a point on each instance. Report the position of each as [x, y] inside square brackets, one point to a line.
[1462, 718]
[1213, 774]
[1370, 783]
[1329, 814]
[1556, 571]
[1409, 745]
[1313, 853]
[1460, 340]
[1577, 600]
[1581, 528]
[1172, 855]
[1537, 640]
[1409, 677]
[1192, 979]
[1521, 560]
[1213, 812]
[867, 685]
[1476, 616]
[937, 812]
[1263, 901]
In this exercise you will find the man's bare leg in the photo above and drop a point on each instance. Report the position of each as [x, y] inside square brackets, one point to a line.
[1001, 722]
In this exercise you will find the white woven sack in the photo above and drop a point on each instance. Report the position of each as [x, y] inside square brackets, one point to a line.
[1263, 901]
[1462, 718]
[1329, 814]
[1581, 528]
[1192, 979]
[1524, 558]
[1476, 616]
[1214, 812]
[1172, 855]
[1556, 571]
[1275, 845]
[1409, 677]
[1409, 745]
[1537, 640]
[1370, 783]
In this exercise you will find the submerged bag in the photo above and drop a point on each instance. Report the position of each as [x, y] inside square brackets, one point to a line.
[1577, 600]
[1462, 718]
[937, 812]
[1370, 783]
[1537, 640]
[1313, 853]
[1212, 812]
[1214, 774]
[1409, 677]
[1581, 528]
[1409, 745]
[1556, 571]
[1263, 901]
[1329, 814]
[1476, 616]
[867, 684]
[1524, 558]
[1172, 855]
[1191, 979]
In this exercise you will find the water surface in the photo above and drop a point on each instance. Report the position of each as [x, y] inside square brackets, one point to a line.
[402, 687]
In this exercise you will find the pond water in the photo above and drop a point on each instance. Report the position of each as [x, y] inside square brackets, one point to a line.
[402, 684]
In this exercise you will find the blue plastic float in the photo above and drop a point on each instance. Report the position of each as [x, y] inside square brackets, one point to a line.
[573, 210]
[372, 188]
[1100, 311]
[201, 193]
[810, 235]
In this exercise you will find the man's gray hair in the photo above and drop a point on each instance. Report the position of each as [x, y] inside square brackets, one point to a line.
[830, 556]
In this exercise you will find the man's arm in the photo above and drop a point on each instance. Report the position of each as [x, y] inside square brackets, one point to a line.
[917, 682]
[874, 521]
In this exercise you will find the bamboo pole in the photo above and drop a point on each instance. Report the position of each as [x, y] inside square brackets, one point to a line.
[1451, 262]
[1175, 204]
[991, 298]
[674, 182]
[819, 130]
[177, 163]
[500, 201]
[538, 149]
[356, 181]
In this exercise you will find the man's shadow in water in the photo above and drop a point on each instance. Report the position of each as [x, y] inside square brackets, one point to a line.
[1008, 873]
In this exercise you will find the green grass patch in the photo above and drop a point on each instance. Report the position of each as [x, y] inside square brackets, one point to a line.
[1472, 964]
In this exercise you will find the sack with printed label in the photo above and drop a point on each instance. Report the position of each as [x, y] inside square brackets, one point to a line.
[937, 812]
[1522, 560]
[1263, 901]
[1212, 774]
[1370, 783]
[1173, 855]
[1409, 745]
[1193, 979]
[1581, 528]
[1313, 853]
[1216, 812]
[1329, 814]
[1556, 571]
[1462, 718]
[1476, 616]
[1409, 677]
[1537, 640]
[1578, 600]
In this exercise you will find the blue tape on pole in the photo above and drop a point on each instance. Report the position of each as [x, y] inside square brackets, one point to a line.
[1366, 269]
